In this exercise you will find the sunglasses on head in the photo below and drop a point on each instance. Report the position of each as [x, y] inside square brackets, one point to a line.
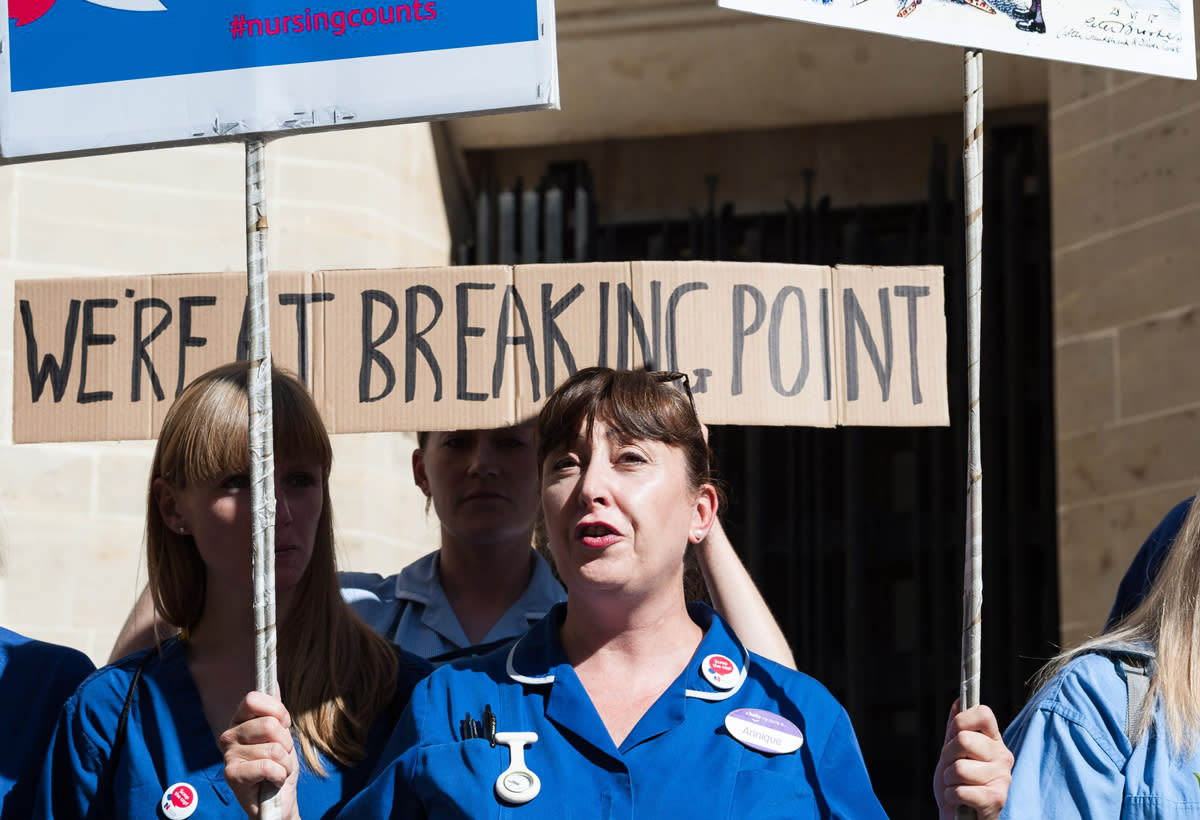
[666, 376]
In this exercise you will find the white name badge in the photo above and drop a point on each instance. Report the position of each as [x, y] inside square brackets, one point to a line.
[764, 731]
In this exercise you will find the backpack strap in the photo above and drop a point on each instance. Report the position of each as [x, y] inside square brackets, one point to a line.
[1137, 686]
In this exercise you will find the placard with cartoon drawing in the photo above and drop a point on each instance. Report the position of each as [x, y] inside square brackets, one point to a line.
[1150, 36]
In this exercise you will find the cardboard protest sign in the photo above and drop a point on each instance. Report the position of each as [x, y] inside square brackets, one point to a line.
[1150, 36]
[79, 75]
[463, 347]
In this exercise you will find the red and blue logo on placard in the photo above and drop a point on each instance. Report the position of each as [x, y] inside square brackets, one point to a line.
[58, 43]
[26, 11]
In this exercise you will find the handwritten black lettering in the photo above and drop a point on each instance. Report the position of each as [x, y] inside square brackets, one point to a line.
[141, 354]
[602, 359]
[672, 322]
[628, 314]
[511, 301]
[740, 329]
[302, 301]
[243, 342]
[552, 336]
[465, 330]
[49, 368]
[371, 355]
[414, 340]
[89, 340]
[911, 294]
[773, 346]
[856, 320]
[186, 339]
[826, 354]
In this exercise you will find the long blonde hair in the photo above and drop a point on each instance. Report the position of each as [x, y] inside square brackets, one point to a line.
[1168, 621]
[335, 673]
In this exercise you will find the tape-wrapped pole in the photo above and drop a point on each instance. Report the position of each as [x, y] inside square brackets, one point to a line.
[973, 562]
[262, 440]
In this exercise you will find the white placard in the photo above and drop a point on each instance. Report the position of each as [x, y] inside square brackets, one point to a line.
[1150, 36]
[84, 75]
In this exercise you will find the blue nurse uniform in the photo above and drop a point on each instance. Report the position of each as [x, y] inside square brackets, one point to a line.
[1074, 760]
[411, 609]
[36, 678]
[167, 742]
[678, 761]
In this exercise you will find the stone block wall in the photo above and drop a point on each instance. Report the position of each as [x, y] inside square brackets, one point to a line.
[1125, 154]
[71, 515]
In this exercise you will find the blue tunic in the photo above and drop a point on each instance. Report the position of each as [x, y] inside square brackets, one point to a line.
[168, 741]
[1144, 569]
[411, 610]
[35, 680]
[678, 762]
[1073, 759]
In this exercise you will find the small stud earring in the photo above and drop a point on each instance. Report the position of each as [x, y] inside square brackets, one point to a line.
[182, 530]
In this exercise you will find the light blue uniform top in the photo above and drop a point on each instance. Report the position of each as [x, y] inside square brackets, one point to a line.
[679, 761]
[410, 609]
[1073, 759]
[36, 678]
[168, 741]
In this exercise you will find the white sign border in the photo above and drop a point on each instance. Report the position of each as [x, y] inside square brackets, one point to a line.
[924, 26]
[301, 97]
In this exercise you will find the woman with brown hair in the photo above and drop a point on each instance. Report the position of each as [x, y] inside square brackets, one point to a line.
[140, 736]
[626, 701]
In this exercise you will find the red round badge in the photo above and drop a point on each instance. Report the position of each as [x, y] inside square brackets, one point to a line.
[179, 801]
[721, 665]
[719, 671]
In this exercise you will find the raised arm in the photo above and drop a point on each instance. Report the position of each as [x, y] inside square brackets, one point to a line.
[736, 597]
[142, 629]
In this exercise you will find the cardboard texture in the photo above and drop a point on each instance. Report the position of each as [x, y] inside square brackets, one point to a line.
[464, 347]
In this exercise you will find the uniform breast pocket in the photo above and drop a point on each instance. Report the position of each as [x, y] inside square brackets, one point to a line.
[765, 794]
[458, 780]
[1148, 807]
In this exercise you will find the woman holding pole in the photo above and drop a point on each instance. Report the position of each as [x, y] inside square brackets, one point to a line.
[139, 738]
[631, 701]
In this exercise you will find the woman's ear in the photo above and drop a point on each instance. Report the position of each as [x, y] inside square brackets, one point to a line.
[420, 477]
[167, 501]
[704, 513]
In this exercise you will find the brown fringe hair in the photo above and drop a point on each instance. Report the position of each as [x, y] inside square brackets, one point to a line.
[336, 675]
[639, 404]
